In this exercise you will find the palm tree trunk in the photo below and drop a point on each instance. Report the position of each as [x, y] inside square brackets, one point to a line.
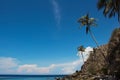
[82, 57]
[93, 37]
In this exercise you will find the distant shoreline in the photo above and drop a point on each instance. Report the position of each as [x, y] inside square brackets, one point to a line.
[28, 75]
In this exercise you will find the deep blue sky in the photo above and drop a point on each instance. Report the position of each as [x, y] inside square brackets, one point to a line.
[44, 32]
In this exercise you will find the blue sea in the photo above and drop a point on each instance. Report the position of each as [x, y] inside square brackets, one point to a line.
[30, 77]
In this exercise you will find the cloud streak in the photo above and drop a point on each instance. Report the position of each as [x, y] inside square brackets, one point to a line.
[56, 11]
[64, 68]
[7, 62]
[34, 68]
[8, 65]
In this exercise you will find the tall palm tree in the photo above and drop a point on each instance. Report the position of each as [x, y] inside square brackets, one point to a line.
[88, 22]
[111, 7]
[82, 50]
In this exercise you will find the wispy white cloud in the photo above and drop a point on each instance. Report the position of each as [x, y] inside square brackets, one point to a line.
[34, 68]
[10, 65]
[8, 62]
[65, 68]
[56, 11]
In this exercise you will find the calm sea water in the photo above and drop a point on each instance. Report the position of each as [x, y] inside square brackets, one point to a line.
[29, 77]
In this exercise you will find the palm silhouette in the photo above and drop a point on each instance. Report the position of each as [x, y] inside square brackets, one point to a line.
[111, 7]
[88, 22]
[81, 49]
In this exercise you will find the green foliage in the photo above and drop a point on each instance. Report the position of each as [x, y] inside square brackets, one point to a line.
[110, 7]
[87, 21]
[81, 48]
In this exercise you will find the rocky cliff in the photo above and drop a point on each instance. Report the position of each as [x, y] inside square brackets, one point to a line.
[97, 65]
[114, 53]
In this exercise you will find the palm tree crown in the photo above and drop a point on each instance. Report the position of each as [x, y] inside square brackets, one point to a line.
[82, 49]
[86, 21]
[111, 7]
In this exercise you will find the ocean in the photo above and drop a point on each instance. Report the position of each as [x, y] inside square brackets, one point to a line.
[30, 77]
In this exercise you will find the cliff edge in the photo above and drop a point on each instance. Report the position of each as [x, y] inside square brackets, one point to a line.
[97, 66]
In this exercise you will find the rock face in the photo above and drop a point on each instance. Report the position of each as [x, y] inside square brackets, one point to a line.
[97, 65]
[96, 61]
[114, 53]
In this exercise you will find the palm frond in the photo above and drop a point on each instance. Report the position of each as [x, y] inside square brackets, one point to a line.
[81, 48]
[87, 21]
[110, 8]
[112, 13]
[101, 4]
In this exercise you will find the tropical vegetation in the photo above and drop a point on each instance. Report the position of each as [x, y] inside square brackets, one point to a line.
[88, 22]
[82, 50]
[110, 7]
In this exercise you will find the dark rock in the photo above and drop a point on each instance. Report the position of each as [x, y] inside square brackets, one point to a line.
[98, 68]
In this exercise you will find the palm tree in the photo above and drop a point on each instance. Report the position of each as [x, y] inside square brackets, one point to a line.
[88, 22]
[111, 7]
[81, 49]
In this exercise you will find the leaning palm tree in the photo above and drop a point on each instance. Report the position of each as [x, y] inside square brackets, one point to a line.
[82, 50]
[110, 7]
[88, 22]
